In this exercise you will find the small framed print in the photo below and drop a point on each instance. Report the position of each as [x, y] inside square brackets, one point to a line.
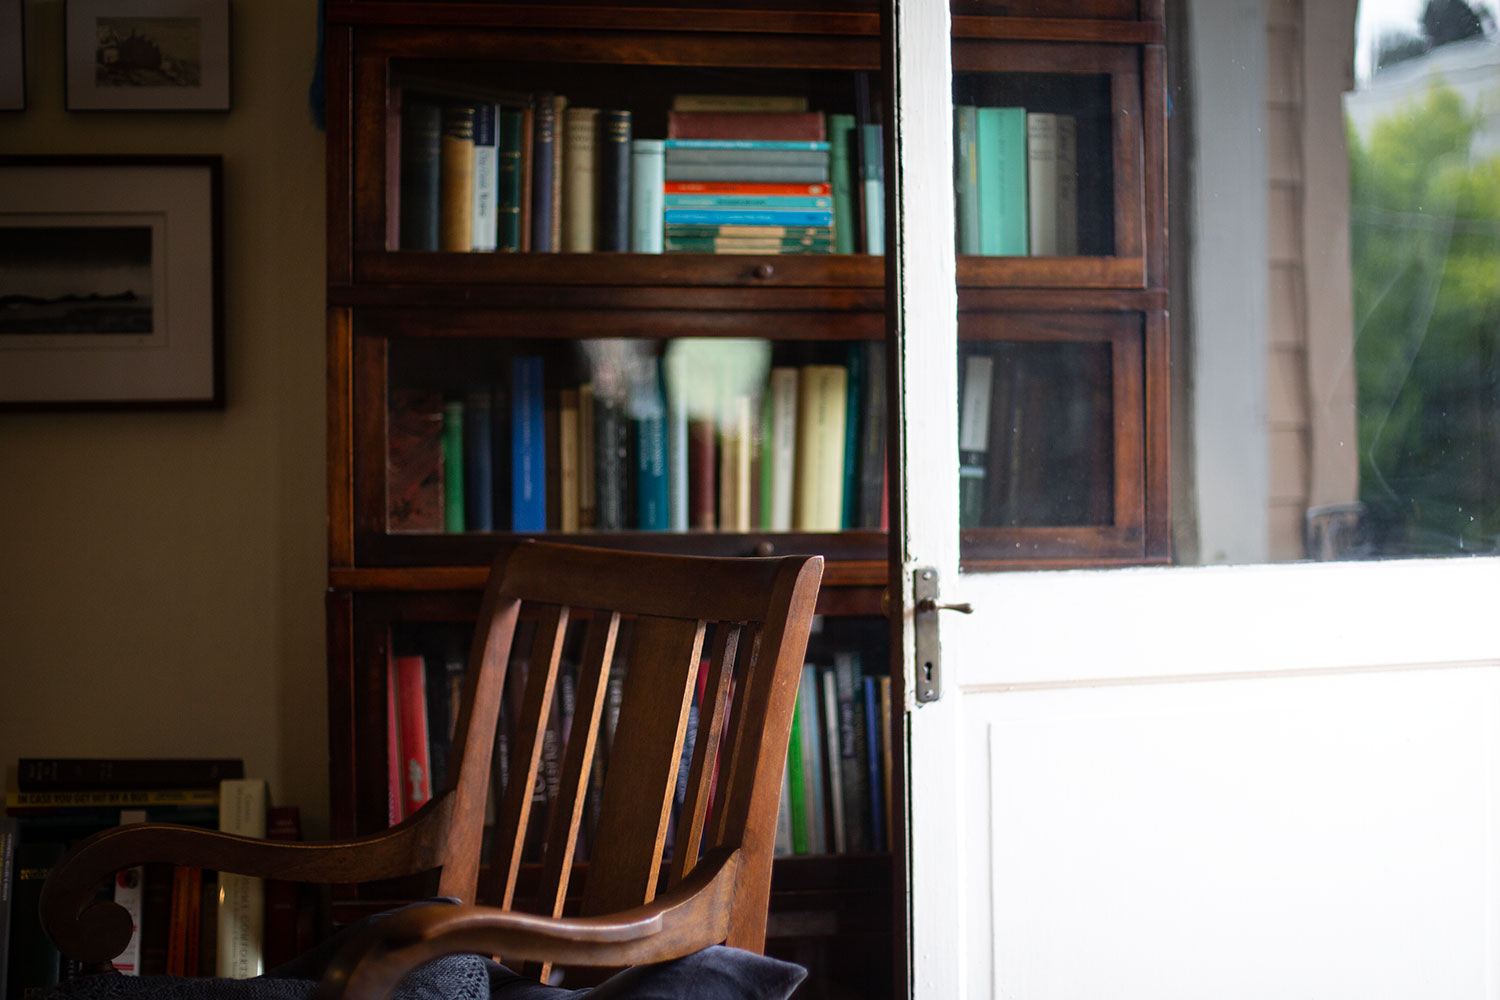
[12, 57]
[147, 55]
[110, 282]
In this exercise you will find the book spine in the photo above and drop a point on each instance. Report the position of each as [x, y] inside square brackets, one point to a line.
[647, 169]
[580, 179]
[1000, 154]
[853, 411]
[745, 188]
[156, 916]
[841, 129]
[62, 774]
[567, 460]
[872, 438]
[742, 247]
[588, 495]
[828, 689]
[873, 770]
[785, 841]
[650, 452]
[813, 763]
[1041, 181]
[806, 173]
[746, 217]
[393, 796]
[241, 910]
[820, 440]
[528, 451]
[478, 465]
[487, 178]
[453, 466]
[852, 739]
[770, 202]
[743, 145]
[611, 455]
[781, 103]
[512, 190]
[283, 823]
[527, 166]
[613, 228]
[415, 763]
[781, 445]
[112, 798]
[746, 125]
[456, 169]
[414, 461]
[559, 167]
[703, 511]
[129, 896]
[966, 176]
[420, 183]
[973, 437]
[544, 123]
[796, 768]
[10, 830]
[872, 179]
[1067, 185]
[735, 436]
[674, 378]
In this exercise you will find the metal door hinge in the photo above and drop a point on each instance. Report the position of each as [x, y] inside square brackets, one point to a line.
[929, 666]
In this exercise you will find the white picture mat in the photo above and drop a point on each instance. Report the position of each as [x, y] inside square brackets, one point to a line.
[176, 361]
[12, 57]
[84, 93]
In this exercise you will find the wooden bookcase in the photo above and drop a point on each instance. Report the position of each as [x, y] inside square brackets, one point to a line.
[1087, 330]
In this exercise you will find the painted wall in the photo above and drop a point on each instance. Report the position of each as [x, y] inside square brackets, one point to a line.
[161, 574]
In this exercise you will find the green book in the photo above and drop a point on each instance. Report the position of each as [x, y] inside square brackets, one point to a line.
[453, 465]
[797, 783]
[510, 187]
[966, 176]
[840, 164]
[1001, 154]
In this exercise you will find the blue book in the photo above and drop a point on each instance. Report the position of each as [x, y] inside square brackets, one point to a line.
[1000, 152]
[650, 452]
[766, 201]
[528, 485]
[544, 135]
[479, 480]
[747, 217]
[805, 144]
[873, 758]
[647, 170]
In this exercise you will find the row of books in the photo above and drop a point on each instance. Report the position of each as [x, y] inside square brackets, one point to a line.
[187, 921]
[836, 788]
[532, 172]
[713, 435]
[1015, 180]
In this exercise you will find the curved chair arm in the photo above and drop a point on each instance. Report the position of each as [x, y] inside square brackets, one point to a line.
[690, 916]
[95, 931]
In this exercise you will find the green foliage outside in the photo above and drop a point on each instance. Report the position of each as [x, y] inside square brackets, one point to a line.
[1425, 226]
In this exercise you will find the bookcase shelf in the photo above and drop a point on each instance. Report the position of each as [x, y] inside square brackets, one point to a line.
[1071, 348]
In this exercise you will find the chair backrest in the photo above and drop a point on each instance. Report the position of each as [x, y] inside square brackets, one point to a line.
[630, 646]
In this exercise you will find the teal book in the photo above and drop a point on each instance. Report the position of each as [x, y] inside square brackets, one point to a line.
[872, 178]
[853, 412]
[648, 428]
[511, 187]
[1001, 155]
[453, 465]
[966, 176]
[840, 168]
[647, 169]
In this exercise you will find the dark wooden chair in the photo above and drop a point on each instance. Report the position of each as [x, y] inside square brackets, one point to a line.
[745, 620]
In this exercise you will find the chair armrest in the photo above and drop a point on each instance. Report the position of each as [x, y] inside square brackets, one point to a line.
[692, 915]
[95, 931]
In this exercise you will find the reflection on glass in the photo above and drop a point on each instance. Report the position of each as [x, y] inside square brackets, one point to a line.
[1425, 229]
[1036, 444]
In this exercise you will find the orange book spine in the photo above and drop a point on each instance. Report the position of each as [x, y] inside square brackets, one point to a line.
[745, 187]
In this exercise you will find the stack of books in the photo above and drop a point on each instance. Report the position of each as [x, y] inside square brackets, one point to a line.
[1015, 181]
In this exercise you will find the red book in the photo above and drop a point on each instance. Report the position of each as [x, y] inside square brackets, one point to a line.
[280, 942]
[746, 187]
[392, 745]
[411, 717]
[804, 125]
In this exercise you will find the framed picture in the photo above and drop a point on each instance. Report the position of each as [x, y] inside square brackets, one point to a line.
[12, 57]
[111, 287]
[147, 55]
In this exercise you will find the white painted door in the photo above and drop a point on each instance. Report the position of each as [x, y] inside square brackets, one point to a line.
[1270, 781]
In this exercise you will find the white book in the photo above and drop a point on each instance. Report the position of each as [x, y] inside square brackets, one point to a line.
[1041, 181]
[647, 175]
[486, 216]
[675, 389]
[831, 750]
[128, 894]
[781, 445]
[1067, 185]
[242, 810]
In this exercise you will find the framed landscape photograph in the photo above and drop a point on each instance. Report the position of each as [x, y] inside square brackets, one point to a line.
[147, 55]
[12, 57]
[111, 286]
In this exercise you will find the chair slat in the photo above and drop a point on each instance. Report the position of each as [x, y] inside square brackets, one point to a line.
[578, 757]
[626, 856]
[711, 711]
[734, 734]
[526, 754]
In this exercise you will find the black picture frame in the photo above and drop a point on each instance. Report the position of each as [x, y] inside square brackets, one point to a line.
[111, 282]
